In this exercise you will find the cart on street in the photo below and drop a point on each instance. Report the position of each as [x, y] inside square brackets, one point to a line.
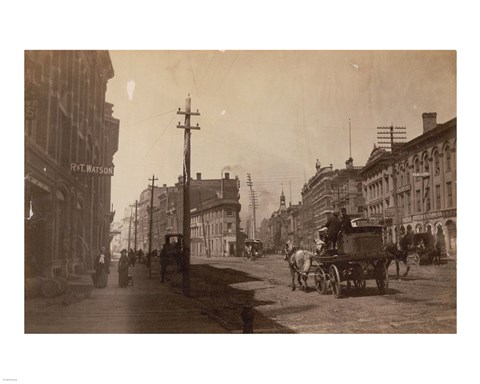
[358, 258]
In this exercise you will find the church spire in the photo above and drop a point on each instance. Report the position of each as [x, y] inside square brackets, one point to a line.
[282, 202]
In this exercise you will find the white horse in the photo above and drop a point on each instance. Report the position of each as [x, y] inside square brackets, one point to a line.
[299, 262]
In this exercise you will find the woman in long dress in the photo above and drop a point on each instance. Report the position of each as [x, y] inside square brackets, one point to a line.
[123, 269]
[100, 273]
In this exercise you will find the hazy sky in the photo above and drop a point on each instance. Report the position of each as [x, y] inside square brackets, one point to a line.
[267, 113]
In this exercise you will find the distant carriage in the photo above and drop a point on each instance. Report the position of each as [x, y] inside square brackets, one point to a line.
[175, 247]
[253, 249]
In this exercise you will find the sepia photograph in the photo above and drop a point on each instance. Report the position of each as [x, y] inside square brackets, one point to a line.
[286, 192]
[211, 193]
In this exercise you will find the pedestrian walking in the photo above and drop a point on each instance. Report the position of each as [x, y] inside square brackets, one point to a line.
[123, 269]
[108, 259]
[164, 256]
[131, 257]
[100, 270]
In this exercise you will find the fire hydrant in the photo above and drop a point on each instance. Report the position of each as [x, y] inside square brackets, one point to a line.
[247, 318]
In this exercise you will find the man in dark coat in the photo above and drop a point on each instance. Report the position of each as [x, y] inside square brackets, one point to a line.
[345, 221]
[164, 256]
[333, 226]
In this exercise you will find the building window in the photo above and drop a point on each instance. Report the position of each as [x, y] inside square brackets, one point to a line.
[448, 159]
[449, 195]
[418, 200]
[229, 227]
[426, 164]
[229, 212]
[437, 197]
[407, 202]
[417, 165]
[436, 162]
[427, 199]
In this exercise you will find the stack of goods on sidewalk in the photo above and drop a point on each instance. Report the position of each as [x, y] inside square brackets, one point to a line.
[41, 286]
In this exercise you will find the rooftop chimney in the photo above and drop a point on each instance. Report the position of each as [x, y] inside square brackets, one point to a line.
[199, 176]
[227, 175]
[164, 185]
[429, 121]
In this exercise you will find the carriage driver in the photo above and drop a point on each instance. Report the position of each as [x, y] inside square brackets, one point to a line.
[333, 227]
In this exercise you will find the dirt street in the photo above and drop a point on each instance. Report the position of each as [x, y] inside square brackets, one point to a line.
[424, 302]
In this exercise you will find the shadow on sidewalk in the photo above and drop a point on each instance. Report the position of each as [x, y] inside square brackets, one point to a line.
[212, 290]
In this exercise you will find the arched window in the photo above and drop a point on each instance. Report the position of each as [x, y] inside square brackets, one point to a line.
[436, 163]
[417, 165]
[426, 163]
[448, 159]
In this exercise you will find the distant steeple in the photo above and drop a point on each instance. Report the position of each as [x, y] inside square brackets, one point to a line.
[283, 207]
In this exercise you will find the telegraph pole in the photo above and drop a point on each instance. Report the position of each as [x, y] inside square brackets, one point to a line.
[253, 203]
[130, 228]
[393, 135]
[186, 193]
[136, 223]
[149, 256]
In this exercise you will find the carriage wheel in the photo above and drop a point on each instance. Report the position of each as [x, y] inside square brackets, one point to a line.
[382, 279]
[360, 283]
[320, 280]
[335, 281]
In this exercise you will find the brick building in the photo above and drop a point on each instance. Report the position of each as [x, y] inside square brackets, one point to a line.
[71, 137]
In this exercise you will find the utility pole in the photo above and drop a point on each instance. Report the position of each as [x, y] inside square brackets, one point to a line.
[253, 204]
[149, 256]
[136, 224]
[186, 193]
[130, 228]
[389, 138]
[350, 137]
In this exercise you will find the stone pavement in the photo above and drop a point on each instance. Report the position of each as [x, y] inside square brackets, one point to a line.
[147, 307]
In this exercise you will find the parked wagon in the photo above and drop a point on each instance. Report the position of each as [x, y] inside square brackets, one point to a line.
[359, 257]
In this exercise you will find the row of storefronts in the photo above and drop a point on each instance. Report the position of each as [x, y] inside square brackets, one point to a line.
[413, 185]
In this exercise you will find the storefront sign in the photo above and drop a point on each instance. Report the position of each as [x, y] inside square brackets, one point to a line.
[436, 215]
[450, 213]
[421, 174]
[33, 180]
[91, 169]
[404, 188]
[430, 215]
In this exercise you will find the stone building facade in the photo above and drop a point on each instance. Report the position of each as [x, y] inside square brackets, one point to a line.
[69, 128]
[425, 172]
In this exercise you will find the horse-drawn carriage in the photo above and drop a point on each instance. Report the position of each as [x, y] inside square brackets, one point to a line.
[359, 257]
[253, 249]
[173, 249]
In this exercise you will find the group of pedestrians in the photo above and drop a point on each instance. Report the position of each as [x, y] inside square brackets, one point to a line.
[102, 268]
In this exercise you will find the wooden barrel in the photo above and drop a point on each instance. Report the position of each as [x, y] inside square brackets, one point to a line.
[33, 286]
[51, 288]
